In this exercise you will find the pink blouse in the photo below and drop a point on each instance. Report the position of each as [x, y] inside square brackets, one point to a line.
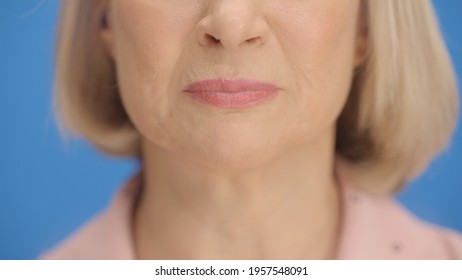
[372, 228]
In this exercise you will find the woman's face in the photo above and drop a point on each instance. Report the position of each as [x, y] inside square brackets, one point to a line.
[306, 48]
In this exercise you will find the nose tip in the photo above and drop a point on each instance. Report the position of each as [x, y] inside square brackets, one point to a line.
[231, 28]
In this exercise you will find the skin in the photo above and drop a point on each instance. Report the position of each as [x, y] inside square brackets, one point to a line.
[254, 183]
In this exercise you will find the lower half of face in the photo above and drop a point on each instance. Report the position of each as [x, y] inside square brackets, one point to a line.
[305, 49]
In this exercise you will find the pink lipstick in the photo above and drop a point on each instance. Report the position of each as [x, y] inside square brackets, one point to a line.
[231, 93]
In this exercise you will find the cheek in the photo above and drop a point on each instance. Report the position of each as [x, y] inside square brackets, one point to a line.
[149, 38]
[319, 43]
[313, 31]
[152, 30]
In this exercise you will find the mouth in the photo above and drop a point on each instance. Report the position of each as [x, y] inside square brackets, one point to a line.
[227, 94]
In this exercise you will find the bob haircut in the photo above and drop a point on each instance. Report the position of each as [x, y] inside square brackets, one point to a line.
[401, 110]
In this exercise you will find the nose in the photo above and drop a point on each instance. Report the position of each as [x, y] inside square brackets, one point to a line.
[232, 24]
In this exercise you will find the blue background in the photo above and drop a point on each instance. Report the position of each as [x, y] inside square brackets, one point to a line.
[48, 187]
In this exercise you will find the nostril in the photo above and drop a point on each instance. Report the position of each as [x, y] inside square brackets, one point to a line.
[212, 38]
[253, 40]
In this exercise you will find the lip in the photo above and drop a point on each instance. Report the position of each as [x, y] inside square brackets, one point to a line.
[228, 94]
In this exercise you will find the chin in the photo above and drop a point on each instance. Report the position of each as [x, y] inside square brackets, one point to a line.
[234, 156]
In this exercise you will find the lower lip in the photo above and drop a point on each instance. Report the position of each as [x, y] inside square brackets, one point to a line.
[228, 100]
[233, 100]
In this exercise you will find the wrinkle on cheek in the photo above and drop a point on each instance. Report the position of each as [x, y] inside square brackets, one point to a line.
[320, 45]
[142, 31]
[310, 33]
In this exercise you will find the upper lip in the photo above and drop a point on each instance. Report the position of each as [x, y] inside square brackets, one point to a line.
[230, 86]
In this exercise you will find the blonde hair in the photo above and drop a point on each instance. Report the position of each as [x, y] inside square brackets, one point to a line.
[401, 111]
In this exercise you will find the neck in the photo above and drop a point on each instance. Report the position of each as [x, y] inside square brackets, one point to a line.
[285, 209]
